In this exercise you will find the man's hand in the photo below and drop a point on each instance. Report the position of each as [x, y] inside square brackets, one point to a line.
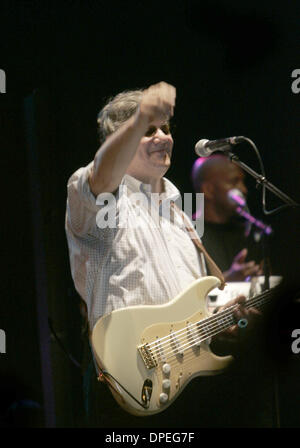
[240, 270]
[157, 104]
[235, 338]
[241, 312]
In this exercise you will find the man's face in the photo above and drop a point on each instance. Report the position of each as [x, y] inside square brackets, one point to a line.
[225, 178]
[153, 156]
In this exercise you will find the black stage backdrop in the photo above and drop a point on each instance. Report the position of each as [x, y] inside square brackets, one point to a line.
[232, 65]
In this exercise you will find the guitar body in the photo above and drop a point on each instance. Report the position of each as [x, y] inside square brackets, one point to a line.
[151, 351]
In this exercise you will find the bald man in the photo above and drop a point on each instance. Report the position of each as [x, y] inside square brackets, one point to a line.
[225, 234]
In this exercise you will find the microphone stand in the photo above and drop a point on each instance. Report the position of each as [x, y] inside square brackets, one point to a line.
[265, 231]
[262, 181]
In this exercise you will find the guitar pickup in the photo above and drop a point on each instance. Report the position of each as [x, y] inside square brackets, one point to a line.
[147, 356]
[176, 345]
[193, 336]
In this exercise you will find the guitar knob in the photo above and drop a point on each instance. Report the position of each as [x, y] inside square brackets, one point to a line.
[166, 384]
[163, 398]
[166, 368]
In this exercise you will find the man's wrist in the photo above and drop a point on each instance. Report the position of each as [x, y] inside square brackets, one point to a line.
[141, 119]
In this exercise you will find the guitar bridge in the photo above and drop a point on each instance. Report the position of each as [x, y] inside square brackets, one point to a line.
[147, 356]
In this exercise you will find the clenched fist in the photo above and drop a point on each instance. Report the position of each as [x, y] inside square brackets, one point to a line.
[158, 102]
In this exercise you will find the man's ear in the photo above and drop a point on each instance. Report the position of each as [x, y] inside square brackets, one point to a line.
[208, 190]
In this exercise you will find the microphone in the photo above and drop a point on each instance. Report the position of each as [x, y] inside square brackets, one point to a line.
[237, 197]
[242, 209]
[205, 148]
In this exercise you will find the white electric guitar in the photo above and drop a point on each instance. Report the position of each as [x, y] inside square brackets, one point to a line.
[148, 354]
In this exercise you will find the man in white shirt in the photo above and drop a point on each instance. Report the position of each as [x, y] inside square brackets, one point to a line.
[147, 263]
[116, 266]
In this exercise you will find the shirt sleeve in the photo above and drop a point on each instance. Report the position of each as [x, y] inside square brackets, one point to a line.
[81, 203]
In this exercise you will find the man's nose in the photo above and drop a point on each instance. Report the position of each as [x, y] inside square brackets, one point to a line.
[161, 136]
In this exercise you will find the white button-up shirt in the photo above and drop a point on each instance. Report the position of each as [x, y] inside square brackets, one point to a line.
[147, 263]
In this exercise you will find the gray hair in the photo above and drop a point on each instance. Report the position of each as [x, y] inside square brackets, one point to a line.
[118, 110]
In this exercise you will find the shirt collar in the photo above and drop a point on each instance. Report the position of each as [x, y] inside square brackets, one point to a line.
[171, 193]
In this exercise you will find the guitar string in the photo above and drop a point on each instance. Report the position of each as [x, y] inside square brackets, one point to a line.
[203, 326]
[179, 346]
[214, 318]
[209, 329]
[189, 356]
[171, 352]
[169, 356]
[219, 327]
[194, 335]
[187, 345]
[196, 327]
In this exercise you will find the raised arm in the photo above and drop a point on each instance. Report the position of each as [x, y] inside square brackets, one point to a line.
[115, 154]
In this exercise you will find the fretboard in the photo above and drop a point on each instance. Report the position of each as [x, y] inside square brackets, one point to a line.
[225, 319]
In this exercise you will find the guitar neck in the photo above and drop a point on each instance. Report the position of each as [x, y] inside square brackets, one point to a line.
[225, 319]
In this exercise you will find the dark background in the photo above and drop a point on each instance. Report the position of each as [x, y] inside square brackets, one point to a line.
[231, 63]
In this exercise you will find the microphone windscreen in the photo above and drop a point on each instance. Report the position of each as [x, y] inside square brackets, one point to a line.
[200, 148]
[237, 197]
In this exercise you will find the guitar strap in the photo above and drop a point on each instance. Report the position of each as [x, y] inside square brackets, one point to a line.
[213, 268]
